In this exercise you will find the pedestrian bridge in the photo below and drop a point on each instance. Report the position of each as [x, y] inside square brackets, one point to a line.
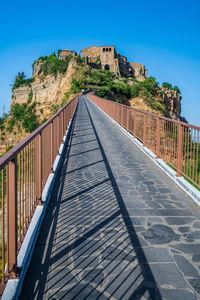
[115, 225]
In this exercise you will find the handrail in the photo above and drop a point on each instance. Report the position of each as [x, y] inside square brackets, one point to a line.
[23, 174]
[176, 142]
[18, 147]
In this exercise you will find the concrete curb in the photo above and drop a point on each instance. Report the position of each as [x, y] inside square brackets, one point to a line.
[13, 286]
[180, 181]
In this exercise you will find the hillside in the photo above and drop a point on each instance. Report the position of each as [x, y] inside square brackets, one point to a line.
[56, 80]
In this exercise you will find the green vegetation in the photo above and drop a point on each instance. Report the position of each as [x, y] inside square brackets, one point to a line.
[21, 81]
[54, 108]
[30, 97]
[170, 87]
[2, 121]
[52, 64]
[107, 85]
[23, 114]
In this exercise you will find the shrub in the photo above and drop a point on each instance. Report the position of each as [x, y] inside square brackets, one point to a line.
[21, 81]
[17, 111]
[30, 97]
[175, 88]
[30, 122]
[103, 92]
[25, 114]
[54, 108]
[167, 85]
[52, 64]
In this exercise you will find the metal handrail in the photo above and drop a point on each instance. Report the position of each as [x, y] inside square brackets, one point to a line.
[24, 171]
[176, 142]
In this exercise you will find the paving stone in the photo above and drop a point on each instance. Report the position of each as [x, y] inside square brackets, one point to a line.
[179, 221]
[154, 254]
[171, 294]
[185, 266]
[184, 229]
[138, 220]
[196, 257]
[196, 224]
[167, 274]
[187, 248]
[194, 235]
[160, 234]
[195, 284]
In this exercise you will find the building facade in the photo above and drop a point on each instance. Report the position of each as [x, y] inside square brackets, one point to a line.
[113, 61]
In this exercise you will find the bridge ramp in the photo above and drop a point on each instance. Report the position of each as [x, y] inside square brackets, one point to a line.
[117, 227]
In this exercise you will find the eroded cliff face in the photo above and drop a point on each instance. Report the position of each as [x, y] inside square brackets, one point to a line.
[171, 100]
[48, 91]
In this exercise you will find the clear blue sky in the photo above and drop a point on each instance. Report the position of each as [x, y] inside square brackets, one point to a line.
[163, 35]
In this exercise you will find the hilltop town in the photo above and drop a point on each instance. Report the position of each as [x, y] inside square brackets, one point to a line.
[58, 77]
[109, 59]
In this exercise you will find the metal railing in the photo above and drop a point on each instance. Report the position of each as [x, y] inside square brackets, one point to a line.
[23, 174]
[177, 143]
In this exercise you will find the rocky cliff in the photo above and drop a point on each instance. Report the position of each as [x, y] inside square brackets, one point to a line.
[47, 91]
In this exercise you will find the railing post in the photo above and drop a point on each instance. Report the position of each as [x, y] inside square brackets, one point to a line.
[12, 218]
[144, 129]
[127, 119]
[134, 122]
[158, 138]
[51, 142]
[122, 115]
[179, 150]
[58, 133]
[62, 121]
[39, 169]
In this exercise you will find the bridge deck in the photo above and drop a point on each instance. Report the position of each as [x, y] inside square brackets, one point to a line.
[116, 226]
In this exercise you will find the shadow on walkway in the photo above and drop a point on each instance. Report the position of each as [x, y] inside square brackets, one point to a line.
[87, 247]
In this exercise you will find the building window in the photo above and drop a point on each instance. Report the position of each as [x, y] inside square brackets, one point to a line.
[104, 49]
[110, 49]
[60, 56]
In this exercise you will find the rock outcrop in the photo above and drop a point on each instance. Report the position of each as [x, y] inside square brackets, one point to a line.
[47, 90]
[172, 101]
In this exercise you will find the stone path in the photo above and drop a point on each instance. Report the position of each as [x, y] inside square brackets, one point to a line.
[116, 226]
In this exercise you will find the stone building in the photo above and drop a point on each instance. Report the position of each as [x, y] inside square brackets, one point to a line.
[111, 60]
[137, 70]
[65, 52]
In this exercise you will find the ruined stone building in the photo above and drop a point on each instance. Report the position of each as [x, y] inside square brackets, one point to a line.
[111, 60]
[107, 58]
[65, 52]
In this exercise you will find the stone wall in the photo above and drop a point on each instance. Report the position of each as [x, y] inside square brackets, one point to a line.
[138, 70]
[66, 52]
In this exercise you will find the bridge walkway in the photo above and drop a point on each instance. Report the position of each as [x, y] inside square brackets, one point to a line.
[116, 226]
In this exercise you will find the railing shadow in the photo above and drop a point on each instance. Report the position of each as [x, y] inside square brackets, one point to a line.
[88, 247]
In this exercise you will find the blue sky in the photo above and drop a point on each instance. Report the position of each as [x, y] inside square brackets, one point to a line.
[163, 35]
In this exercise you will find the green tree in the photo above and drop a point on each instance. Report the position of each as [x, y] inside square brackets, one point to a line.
[175, 88]
[167, 85]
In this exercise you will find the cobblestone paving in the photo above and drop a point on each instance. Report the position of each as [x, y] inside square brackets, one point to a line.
[116, 226]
